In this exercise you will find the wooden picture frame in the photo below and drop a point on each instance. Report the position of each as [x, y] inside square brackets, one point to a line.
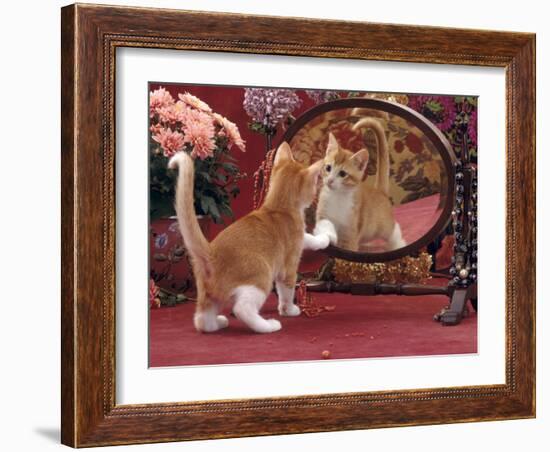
[90, 36]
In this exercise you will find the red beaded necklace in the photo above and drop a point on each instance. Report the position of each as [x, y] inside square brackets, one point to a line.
[261, 178]
[307, 303]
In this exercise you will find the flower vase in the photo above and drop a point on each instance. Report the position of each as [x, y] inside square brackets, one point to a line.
[169, 265]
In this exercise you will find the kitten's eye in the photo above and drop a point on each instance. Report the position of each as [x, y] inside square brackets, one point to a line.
[328, 168]
[342, 174]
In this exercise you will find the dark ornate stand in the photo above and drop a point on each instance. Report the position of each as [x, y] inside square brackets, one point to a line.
[379, 288]
[450, 315]
[464, 261]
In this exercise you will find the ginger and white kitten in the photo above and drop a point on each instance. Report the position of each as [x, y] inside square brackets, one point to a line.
[239, 266]
[360, 213]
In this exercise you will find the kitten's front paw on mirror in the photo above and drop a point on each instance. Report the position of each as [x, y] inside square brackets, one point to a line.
[289, 310]
[325, 227]
[322, 241]
[316, 242]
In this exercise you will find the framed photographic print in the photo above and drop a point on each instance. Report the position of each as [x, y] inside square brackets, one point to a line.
[281, 225]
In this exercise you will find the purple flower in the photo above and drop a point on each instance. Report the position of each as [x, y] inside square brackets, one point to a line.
[161, 240]
[441, 110]
[320, 97]
[269, 107]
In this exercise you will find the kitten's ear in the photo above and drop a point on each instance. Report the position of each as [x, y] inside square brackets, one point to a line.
[360, 159]
[332, 145]
[283, 154]
[315, 169]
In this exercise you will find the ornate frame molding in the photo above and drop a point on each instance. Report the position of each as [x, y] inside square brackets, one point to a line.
[90, 36]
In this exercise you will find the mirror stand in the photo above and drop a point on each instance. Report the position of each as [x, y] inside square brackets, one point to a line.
[463, 284]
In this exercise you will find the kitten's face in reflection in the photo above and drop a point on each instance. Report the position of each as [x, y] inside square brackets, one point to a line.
[343, 170]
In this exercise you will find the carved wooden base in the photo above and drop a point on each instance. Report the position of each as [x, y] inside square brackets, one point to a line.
[450, 315]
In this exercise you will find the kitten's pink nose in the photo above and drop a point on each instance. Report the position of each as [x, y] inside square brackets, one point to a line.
[329, 183]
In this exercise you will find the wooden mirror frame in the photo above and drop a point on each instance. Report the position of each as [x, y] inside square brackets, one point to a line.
[435, 136]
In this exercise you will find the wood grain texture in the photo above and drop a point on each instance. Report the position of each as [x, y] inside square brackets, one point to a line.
[68, 244]
[90, 36]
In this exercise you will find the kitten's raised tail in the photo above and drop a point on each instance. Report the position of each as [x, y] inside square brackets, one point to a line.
[383, 173]
[195, 242]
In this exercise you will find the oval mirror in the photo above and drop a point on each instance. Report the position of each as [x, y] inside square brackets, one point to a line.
[387, 183]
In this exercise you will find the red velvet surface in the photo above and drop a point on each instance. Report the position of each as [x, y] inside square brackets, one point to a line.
[359, 327]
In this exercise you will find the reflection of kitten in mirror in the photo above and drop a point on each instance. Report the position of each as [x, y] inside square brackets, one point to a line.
[239, 266]
[360, 213]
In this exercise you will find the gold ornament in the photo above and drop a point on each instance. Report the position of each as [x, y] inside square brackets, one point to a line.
[392, 97]
[408, 269]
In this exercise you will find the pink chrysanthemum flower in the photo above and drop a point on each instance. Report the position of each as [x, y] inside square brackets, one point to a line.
[195, 102]
[173, 113]
[170, 141]
[160, 98]
[167, 115]
[231, 131]
[155, 128]
[199, 131]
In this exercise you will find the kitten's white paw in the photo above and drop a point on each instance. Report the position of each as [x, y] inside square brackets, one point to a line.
[207, 321]
[396, 240]
[289, 310]
[326, 227]
[316, 242]
[323, 241]
[274, 325]
[222, 321]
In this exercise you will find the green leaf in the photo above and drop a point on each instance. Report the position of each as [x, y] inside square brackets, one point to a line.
[221, 177]
[257, 127]
[205, 175]
[230, 167]
[161, 205]
[230, 158]
[434, 106]
[225, 209]
[212, 207]
[204, 204]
